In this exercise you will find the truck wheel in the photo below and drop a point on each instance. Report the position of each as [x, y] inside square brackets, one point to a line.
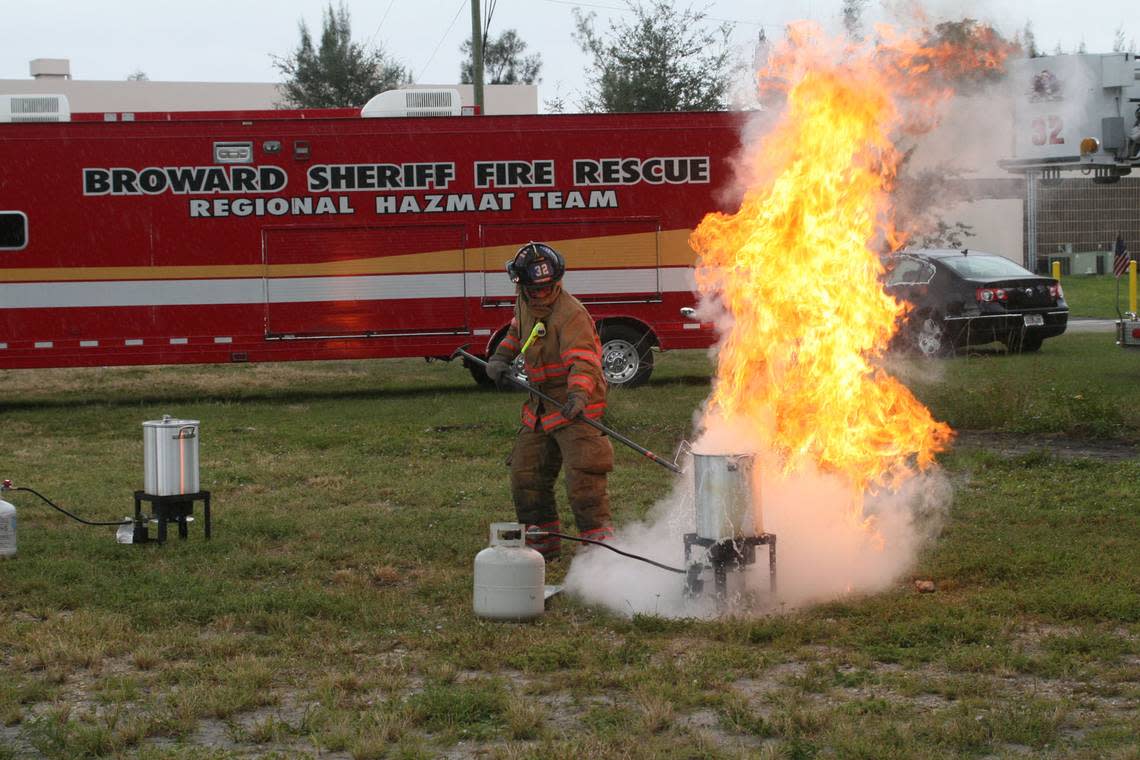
[627, 358]
[480, 375]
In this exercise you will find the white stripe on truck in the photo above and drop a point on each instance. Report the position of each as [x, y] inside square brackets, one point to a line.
[40, 295]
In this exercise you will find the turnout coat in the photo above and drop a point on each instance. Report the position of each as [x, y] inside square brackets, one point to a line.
[566, 359]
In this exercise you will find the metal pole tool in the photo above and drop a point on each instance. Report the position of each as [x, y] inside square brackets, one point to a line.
[592, 423]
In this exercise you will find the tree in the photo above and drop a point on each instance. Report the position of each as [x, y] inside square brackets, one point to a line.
[853, 18]
[1029, 41]
[503, 61]
[341, 73]
[661, 60]
[919, 197]
[1118, 40]
[970, 41]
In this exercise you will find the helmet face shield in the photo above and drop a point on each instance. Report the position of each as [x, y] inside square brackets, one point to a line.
[536, 265]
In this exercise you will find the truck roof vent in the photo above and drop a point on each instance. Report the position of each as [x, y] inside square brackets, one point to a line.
[15, 108]
[420, 102]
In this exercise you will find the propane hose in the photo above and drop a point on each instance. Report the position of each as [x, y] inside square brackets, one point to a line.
[655, 563]
[7, 486]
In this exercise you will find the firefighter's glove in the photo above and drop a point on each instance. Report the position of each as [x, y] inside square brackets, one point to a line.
[574, 405]
[499, 370]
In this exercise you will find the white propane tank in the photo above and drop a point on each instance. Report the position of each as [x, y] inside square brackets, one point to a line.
[509, 577]
[7, 530]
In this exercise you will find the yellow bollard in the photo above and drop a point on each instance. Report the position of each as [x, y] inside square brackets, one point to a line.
[1132, 286]
[1057, 271]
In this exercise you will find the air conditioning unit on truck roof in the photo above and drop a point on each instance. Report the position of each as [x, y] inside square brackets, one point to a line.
[425, 102]
[21, 108]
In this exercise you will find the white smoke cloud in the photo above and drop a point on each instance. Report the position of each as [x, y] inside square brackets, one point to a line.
[824, 551]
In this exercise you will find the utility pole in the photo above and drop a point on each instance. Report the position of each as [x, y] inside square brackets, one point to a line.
[477, 54]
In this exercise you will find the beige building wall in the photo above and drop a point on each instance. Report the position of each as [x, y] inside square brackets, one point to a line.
[138, 97]
[93, 96]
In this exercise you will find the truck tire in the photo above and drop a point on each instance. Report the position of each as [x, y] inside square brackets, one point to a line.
[480, 375]
[627, 356]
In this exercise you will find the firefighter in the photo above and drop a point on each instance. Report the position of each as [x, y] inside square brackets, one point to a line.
[562, 356]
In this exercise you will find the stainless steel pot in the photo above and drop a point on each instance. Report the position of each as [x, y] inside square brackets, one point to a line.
[723, 498]
[170, 456]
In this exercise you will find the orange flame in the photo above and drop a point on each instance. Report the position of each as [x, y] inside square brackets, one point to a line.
[797, 267]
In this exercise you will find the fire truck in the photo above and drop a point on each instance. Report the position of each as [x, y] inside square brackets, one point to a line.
[1077, 113]
[173, 238]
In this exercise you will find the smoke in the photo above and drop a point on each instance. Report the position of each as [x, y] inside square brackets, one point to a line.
[831, 541]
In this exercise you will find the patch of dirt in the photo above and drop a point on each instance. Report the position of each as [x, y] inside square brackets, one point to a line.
[1062, 447]
[706, 723]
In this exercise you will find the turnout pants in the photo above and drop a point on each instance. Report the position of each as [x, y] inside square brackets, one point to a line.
[535, 461]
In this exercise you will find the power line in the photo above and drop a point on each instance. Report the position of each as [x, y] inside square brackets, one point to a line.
[462, 5]
[381, 24]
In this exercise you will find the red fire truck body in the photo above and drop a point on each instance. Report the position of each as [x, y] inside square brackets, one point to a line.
[293, 235]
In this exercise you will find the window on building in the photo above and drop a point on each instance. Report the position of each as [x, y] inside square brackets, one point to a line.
[13, 230]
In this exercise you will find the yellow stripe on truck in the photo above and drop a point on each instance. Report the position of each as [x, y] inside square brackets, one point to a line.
[606, 252]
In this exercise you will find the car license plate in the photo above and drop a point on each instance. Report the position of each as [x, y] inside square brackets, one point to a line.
[1034, 320]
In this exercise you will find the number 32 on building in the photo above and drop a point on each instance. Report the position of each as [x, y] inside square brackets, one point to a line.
[1047, 130]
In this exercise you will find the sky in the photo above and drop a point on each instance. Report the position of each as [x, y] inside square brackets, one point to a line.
[234, 40]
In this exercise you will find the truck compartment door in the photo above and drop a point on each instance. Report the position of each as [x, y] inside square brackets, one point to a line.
[364, 282]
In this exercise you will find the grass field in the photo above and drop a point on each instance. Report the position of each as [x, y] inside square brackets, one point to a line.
[330, 615]
[1095, 295]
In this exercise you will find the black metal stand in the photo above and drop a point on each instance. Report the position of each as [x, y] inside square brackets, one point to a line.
[167, 509]
[730, 553]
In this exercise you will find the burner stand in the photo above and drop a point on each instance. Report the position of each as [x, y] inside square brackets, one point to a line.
[728, 554]
[170, 509]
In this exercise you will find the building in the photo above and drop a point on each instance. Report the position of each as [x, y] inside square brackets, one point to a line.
[52, 76]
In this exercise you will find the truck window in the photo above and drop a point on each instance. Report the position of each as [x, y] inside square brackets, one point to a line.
[13, 230]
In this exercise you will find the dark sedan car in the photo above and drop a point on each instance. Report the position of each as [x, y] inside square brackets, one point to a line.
[969, 298]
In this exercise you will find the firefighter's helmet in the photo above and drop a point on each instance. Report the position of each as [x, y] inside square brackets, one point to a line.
[536, 265]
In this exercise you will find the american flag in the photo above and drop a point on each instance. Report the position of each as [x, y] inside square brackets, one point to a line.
[1120, 263]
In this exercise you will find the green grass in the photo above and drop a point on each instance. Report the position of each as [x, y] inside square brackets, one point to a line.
[1095, 296]
[1077, 385]
[331, 612]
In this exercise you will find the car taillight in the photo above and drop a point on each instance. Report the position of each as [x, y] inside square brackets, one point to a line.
[1055, 292]
[989, 295]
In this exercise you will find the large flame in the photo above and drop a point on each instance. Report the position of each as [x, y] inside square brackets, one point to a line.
[797, 268]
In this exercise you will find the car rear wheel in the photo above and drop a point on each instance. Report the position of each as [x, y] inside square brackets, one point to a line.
[928, 336]
[627, 357]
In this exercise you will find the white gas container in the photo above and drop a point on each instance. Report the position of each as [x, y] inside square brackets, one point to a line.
[509, 576]
[7, 530]
[170, 456]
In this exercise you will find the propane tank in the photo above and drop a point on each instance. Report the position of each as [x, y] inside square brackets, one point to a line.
[7, 530]
[509, 576]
